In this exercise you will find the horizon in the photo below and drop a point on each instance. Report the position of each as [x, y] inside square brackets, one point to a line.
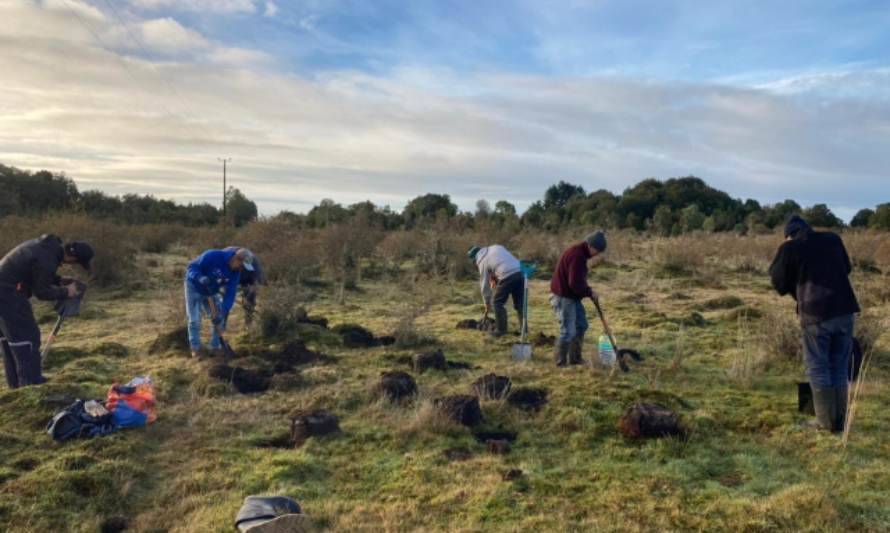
[386, 102]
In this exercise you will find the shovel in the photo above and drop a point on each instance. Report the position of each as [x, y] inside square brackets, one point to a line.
[228, 352]
[522, 350]
[619, 355]
[66, 308]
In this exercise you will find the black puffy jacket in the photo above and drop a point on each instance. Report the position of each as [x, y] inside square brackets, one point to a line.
[31, 268]
[814, 268]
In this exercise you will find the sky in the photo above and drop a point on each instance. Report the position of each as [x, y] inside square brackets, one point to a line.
[496, 100]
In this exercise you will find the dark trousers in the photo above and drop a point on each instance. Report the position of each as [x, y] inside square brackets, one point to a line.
[826, 347]
[511, 286]
[20, 340]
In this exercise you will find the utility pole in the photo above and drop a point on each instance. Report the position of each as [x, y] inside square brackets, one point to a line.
[224, 161]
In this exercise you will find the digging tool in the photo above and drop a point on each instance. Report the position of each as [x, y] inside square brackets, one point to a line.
[522, 350]
[67, 307]
[228, 352]
[619, 355]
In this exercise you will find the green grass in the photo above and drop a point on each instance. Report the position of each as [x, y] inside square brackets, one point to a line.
[747, 464]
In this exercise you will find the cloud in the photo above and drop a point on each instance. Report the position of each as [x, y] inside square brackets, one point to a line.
[271, 9]
[198, 6]
[123, 122]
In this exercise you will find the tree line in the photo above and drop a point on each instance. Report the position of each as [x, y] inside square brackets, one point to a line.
[669, 207]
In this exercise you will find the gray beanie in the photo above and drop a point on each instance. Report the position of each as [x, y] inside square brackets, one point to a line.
[597, 240]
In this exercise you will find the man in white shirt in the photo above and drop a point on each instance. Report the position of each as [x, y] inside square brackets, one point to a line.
[499, 278]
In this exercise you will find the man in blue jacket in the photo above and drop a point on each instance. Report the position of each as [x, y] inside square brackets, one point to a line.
[211, 284]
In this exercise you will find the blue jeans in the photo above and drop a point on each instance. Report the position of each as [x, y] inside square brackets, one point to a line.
[571, 315]
[826, 347]
[195, 304]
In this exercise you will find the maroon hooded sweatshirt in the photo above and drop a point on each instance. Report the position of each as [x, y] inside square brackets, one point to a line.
[570, 277]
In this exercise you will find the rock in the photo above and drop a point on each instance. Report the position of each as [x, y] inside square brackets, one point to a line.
[498, 447]
[245, 381]
[305, 424]
[460, 408]
[647, 420]
[425, 361]
[492, 387]
[528, 399]
[396, 386]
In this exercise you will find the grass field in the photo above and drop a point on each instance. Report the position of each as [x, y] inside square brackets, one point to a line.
[712, 345]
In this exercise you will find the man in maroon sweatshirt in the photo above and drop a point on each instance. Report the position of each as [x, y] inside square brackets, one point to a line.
[569, 287]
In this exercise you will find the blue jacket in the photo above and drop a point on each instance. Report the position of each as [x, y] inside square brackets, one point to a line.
[213, 265]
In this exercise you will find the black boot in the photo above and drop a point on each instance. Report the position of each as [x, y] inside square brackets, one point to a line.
[840, 416]
[560, 353]
[825, 403]
[575, 348]
[500, 320]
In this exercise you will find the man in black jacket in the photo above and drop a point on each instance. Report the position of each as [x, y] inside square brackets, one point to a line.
[30, 269]
[814, 268]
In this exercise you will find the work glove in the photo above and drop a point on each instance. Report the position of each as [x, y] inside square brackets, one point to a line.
[204, 281]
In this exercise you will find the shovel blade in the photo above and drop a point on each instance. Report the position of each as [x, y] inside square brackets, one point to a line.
[522, 351]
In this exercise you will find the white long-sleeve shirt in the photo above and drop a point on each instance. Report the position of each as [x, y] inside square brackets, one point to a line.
[495, 261]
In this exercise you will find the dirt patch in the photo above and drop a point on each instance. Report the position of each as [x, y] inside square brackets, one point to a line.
[291, 355]
[306, 424]
[114, 524]
[693, 320]
[486, 324]
[721, 302]
[630, 352]
[460, 408]
[176, 340]
[512, 475]
[646, 420]
[430, 360]
[355, 336]
[111, 349]
[459, 365]
[460, 453]
[498, 447]
[542, 340]
[528, 399]
[396, 386]
[283, 440]
[245, 381]
[492, 387]
[485, 436]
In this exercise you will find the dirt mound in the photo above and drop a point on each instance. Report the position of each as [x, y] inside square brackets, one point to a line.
[542, 340]
[430, 360]
[355, 336]
[528, 399]
[459, 365]
[396, 386]
[486, 324]
[485, 436]
[646, 420]
[111, 349]
[492, 387]
[498, 447]
[245, 381]
[176, 340]
[461, 408]
[291, 355]
[460, 453]
[305, 424]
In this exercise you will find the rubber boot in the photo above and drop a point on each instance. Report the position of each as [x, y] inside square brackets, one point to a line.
[840, 416]
[825, 403]
[500, 319]
[519, 316]
[560, 353]
[12, 371]
[575, 348]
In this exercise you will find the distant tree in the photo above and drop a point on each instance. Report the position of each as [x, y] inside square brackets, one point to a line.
[691, 219]
[860, 220]
[505, 209]
[483, 208]
[881, 218]
[778, 214]
[424, 210]
[239, 210]
[557, 196]
[663, 220]
[326, 213]
[533, 216]
[821, 216]
[709, 225]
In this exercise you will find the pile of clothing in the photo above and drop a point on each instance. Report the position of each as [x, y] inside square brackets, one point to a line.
[126, 406]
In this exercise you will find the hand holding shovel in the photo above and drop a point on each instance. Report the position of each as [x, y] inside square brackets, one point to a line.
[228, 353]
